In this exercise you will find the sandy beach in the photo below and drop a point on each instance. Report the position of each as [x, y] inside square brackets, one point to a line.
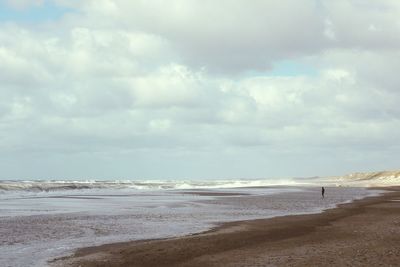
[362, 233]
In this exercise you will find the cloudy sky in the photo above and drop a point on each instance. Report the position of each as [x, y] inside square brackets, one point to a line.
[198, 88]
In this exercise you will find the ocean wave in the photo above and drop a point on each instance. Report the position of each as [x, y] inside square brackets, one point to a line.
[46, 186]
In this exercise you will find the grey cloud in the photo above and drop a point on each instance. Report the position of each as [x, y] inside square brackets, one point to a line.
[237, 36]
[368, 25]
[224, 36]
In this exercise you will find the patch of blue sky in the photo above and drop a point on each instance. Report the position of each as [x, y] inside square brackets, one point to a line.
[35, 14]
[287, 68]
[292, 68]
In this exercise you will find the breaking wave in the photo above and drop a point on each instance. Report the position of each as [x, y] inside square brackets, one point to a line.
[46, 186]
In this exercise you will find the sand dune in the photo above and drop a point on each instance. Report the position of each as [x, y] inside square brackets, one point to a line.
[366, 179]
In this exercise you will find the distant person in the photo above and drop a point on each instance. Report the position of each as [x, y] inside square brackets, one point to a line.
[323, 192]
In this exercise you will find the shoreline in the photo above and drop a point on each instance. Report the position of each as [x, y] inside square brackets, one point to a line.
[296, 240]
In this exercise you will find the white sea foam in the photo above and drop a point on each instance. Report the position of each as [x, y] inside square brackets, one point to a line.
[59, 185]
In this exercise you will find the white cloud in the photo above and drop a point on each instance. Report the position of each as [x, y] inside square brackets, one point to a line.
[177, 82]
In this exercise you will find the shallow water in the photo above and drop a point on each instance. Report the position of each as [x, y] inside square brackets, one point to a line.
[51, 224]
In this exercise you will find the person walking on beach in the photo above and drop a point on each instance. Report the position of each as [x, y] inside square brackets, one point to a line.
[323, 192]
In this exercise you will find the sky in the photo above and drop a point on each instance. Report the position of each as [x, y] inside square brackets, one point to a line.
[198, 89]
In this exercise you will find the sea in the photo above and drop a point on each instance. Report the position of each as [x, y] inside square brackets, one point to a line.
[52, 218]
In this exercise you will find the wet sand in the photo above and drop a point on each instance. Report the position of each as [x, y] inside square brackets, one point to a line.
[363, 233]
